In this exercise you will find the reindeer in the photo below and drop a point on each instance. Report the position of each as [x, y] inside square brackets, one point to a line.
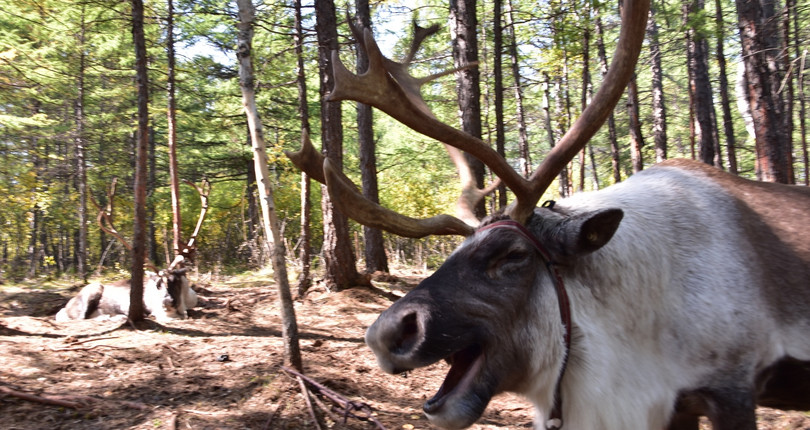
[683, 291]
[167, 293]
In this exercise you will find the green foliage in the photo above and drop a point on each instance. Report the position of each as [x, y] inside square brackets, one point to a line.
[42, 44]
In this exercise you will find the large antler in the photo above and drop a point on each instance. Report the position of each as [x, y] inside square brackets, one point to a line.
[387, 86]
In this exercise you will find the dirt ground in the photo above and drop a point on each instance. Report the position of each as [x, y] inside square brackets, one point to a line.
[220, 369]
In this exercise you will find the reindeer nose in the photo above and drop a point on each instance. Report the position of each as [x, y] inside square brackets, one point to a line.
[395, 338]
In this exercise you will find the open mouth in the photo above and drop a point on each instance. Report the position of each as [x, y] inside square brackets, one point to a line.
[464, 366]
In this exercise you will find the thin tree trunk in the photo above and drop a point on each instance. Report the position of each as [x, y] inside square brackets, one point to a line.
[304, 251]
[497, 72]
[614, 141]
[658, 104]
[339, 259]
[292, 353]
[34, 256]
[586, 89]
[463, 25]
[699, 84]
[171, 113]
[547, 109]
[136, 308]
[788, 89]
[562, 125]
[81, 160]
[636, 137]
[523, 136]
[374, 249]
[802, 97]
[725, 99]
[151, 234]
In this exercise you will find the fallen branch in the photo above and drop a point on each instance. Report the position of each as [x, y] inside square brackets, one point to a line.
[88, 348]
[68, 401]
[208, 413]
[73, 341]
[345, 406]
[305, 393]
[48, 400]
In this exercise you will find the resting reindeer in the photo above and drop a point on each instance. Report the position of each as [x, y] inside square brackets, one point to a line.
[166, 295]
[684, 291]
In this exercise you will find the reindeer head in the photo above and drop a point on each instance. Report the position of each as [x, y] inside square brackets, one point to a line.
[462, 312]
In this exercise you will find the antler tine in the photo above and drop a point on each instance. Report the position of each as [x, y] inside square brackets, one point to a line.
[308, 159]
[105, 215]
[191, 245]
[352, 203]
[631, 36]
[419, 36]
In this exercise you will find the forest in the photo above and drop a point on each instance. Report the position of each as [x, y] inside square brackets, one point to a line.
[70, 124]
[139, 134]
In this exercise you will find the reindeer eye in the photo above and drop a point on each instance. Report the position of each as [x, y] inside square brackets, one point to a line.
[516, 255]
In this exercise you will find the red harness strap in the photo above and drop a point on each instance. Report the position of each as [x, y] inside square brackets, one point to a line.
[555, 421]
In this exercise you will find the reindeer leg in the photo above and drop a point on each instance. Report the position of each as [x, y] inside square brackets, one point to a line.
[83, 305]
[728, 408]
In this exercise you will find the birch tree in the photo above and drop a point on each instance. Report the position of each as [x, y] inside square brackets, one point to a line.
[292, 353]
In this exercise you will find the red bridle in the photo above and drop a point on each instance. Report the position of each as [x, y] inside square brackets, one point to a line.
[555, 421]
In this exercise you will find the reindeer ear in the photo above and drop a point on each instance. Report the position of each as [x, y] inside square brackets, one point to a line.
[571, 236]
[593, 230]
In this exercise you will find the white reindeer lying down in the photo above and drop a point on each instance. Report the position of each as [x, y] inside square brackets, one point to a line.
[166, 295]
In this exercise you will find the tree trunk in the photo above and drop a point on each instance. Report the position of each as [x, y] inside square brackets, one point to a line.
[523, 136]
[658, 104]
[304, 250]
[339, 259]
[699, 84]
[614, 141]
[151, 183]
[374, 248]
[136, 308]
[636, 137]
[463, 26]
[759, 36]
[788, 89]
[561, 113]
[34, 254]
[292, 353]
[800, 88]
[586, 91]
[81, 160]
[497, 75]
[725, 100]
[547, 109]
[171, 114]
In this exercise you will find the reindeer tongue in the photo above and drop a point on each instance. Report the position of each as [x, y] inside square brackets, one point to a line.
[465, 365]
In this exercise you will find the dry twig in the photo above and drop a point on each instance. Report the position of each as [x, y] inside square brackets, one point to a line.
[68, 401]
[305, 393]
[347, 407]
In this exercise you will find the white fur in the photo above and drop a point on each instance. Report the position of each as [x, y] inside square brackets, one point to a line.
[660, 308]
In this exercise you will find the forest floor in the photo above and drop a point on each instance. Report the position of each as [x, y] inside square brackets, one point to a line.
[221, 369]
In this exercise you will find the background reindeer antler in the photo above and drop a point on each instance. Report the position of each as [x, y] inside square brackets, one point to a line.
[105, 222]
[187, 253]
